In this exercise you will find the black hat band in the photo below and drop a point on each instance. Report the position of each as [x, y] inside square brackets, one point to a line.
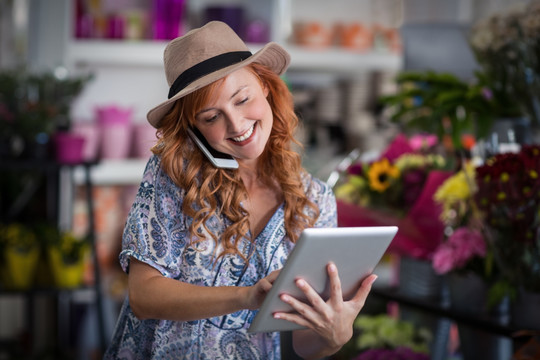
[206, 67]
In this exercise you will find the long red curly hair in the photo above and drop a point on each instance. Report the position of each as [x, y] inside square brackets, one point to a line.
[210, 189]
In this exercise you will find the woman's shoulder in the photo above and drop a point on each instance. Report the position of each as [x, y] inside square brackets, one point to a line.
[155, 176]
[153, 165]
[315, 187]
[154, 170]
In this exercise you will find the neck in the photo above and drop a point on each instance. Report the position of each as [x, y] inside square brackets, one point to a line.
[250, 176]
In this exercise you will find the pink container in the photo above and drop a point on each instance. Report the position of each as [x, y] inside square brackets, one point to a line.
[116, 132]
[69, 148]
[90, 132]
[144, 136]
[112, 114]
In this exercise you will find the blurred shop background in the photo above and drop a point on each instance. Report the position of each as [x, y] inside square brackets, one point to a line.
[102, 66]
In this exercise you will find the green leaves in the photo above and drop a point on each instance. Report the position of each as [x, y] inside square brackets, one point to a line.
[441, 104]
[31, 103]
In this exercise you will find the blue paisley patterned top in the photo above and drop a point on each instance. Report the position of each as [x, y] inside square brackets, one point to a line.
[156, 233]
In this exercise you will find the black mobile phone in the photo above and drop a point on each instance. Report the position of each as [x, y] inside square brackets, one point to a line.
[217, 158]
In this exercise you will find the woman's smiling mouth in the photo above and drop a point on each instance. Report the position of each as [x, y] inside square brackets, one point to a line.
[245, 136]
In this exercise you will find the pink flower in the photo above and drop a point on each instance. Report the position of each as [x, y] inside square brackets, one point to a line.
[469, 241]
[443, 259]
[419, 142]
[463, 245]
[399, 146]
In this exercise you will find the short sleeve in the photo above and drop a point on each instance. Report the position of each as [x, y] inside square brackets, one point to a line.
[155, 231]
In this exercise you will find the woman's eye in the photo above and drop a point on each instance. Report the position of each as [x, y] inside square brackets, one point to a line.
[243, 101]
[212, 119]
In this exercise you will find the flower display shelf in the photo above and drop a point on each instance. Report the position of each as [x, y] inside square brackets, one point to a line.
[437, 309]
[442, 310]
[51, 170]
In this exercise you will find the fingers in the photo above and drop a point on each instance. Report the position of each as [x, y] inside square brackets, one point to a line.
[336, 294]
[363, 292]
[266, 286]
[302, 315]
[267, 282]
[316, 310]
[273, 276]
[331, 320]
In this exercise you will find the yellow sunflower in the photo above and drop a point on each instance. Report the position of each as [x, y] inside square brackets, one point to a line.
[381, 175]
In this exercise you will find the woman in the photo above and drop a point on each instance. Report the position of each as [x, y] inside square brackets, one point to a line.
[202, 245]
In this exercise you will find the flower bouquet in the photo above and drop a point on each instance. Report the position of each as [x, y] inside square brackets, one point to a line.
[492, 217]
[465, 248]
[507, 46]
[466, 260]
[492, 250]
[508, 195]
[397, 189]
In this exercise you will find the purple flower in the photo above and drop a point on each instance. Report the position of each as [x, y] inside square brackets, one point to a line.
[487, 93]
[413, 184]
[400, 353]
[355, 169]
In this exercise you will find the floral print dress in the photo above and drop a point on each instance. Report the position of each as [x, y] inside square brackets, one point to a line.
[157, 233]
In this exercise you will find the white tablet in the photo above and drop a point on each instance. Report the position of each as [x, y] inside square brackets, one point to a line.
[355, 251]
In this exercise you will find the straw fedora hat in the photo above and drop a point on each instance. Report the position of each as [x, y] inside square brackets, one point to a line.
[207, 54]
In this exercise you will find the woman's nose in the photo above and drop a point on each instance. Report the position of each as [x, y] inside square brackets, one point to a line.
[235, 122]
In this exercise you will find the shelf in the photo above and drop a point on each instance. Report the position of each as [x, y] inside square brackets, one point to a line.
[35, 164]
[84, 294]
[113, 172]
[116, 53]
[150, 53]
[431, 307]
[55, 189]
[342, 60]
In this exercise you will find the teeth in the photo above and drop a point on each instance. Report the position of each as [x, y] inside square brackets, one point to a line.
[245, 136]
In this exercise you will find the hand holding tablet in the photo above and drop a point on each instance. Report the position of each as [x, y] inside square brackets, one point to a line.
[355, 252]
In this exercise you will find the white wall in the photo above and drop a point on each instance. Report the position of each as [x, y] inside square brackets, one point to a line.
[142, 87]
[139, 88]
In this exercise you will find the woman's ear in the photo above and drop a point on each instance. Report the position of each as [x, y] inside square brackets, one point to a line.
[266, 90]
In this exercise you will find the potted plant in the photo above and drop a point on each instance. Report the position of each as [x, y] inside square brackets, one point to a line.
[33, 106]
[442, 104]
[67, 255]
[20, 251]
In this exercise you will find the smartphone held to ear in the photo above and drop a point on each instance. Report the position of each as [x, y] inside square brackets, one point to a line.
[218, 159]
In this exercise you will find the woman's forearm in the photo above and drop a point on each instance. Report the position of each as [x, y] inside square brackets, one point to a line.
[153, 296]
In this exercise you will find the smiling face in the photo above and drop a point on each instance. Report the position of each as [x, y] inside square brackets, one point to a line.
[238, 119]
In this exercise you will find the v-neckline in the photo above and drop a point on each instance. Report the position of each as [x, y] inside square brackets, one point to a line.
[265, 227]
